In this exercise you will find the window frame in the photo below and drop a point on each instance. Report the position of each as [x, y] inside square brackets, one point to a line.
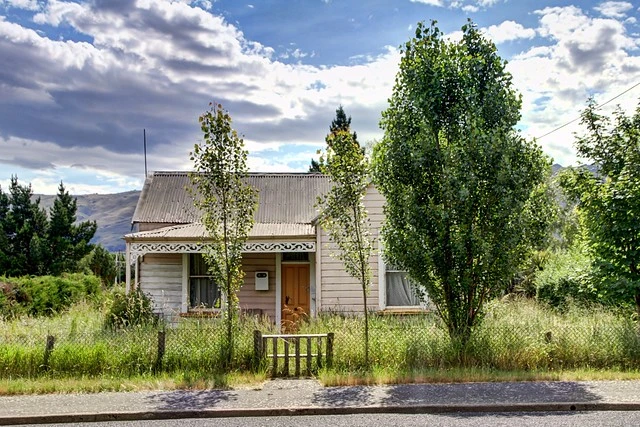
[200, 308]
[382, 289]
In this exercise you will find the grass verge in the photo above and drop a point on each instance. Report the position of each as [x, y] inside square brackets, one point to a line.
[183, 381]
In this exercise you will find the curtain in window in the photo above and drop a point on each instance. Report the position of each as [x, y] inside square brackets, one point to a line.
[400, 291]
[203, 291]
[198, 266]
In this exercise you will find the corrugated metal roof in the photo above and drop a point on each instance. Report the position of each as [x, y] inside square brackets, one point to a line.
[197, 231]
[286, 198]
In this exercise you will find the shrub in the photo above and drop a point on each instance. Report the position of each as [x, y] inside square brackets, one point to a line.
[45, 295]
[567, 276]
[12, 299]
[101, 263]
[132, 309]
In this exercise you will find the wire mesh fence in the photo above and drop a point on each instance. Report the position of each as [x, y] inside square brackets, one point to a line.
[505, 342]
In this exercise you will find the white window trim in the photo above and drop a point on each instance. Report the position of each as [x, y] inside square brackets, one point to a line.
[382, 288]
[186, 287]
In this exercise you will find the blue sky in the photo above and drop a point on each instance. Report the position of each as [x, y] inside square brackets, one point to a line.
[79, 81]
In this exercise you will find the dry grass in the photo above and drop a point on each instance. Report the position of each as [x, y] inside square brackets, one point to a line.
[232, 380]
[466, 375]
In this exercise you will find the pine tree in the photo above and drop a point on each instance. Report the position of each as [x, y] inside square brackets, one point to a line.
[4, 242]
[67, 243]
[24, 226]
[340, 123]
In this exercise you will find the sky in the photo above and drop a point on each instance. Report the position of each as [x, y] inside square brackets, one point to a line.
[80, 80]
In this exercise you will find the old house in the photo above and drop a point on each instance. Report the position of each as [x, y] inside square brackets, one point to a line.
[286, 259]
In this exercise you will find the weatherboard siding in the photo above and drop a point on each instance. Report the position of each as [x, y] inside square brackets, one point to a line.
[339, 291]
[258, 301]
[161, 278]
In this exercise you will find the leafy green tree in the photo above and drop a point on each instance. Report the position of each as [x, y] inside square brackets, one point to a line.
[609, 200]
[101, 263]
[227, 203]
[67, 243]
[457, 178]
[342, 211]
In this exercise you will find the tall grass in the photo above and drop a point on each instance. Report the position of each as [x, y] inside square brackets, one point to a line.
[519, 335]
[514, 335]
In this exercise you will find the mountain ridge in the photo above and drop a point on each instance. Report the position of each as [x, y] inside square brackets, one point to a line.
[112, 212]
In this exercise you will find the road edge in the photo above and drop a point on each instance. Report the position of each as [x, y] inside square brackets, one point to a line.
[316, 410]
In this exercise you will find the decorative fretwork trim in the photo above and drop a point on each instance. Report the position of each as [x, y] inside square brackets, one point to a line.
[140, 249]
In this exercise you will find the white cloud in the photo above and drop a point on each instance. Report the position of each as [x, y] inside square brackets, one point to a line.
[487, 3]
[584, 56]
[467, 6]
[614, 9]
[509, 30]
[156, 65]
[439, 3]
[22, 4]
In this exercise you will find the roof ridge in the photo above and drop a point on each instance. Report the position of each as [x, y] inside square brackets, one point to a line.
[275, 174]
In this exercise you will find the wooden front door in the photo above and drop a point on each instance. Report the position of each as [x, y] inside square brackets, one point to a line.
[295, 293]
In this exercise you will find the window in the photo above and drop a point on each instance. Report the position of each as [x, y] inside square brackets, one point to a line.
[398, 290]
[203, 291]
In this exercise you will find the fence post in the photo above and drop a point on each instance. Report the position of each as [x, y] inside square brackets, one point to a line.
[257, 349]
[47, 351]
[330, 349]
[297, 343]
[308, 356]
[285, 368]
[161, 348]
[274, 373]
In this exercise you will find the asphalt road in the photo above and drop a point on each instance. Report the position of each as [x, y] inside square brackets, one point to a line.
[538, 419]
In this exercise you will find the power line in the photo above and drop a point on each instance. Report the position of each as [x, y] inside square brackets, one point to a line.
[597, 108]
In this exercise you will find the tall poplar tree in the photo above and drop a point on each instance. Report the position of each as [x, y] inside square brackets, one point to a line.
[227, 204]
[342, 211]
[460, 183]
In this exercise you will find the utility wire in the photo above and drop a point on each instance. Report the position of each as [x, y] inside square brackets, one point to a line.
[597, 108]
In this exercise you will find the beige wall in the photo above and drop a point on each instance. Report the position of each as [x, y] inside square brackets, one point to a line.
[339, 291]
[161, 278]
[250, 299]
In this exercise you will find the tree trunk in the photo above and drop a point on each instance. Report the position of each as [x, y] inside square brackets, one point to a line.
[637, 299]
[366, 326]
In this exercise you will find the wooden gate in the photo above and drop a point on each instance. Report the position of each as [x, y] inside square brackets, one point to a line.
[312, 350]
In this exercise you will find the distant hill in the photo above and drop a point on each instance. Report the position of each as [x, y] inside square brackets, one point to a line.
[112, 212]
